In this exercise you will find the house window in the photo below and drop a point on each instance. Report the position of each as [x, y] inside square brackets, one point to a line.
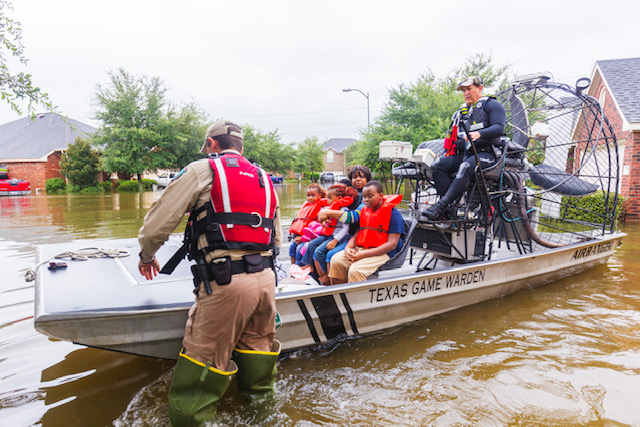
[330, 156]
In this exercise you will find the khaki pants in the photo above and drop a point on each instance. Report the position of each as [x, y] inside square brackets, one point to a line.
[241, 314]
[343, 268]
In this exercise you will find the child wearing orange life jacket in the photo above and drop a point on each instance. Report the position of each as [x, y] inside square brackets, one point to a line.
[378, 239]
[340, 196]
[338, 199]
[307, 213]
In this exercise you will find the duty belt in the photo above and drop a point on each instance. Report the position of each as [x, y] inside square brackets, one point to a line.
[220, 270]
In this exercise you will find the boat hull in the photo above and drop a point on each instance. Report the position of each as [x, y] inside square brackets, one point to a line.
[307, 315]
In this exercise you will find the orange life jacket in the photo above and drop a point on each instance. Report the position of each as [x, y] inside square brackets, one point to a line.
[374, 225]
[307, 213]
[330, 226]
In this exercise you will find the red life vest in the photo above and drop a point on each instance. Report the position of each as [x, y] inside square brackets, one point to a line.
[450, 142]
[239, 187]
[330, 226]
[241, 210]
[374, 225]
[307, 213]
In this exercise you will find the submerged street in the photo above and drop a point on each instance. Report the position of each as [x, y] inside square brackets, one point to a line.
[564, 353]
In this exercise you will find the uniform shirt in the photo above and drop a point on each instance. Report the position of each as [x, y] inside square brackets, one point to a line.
[190, 190]
[496, 117]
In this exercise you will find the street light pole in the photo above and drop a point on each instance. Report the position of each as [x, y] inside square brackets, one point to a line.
[366, 95]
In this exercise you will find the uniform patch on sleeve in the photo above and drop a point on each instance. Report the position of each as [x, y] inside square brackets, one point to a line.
[184, 169]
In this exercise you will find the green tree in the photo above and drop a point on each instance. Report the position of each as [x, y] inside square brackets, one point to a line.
[80, 164]
[417, 112]
[495, 77]
[132, 112]
[184, 131]
[266, 149]
[310, 156]
[422, 110]
[16, 87]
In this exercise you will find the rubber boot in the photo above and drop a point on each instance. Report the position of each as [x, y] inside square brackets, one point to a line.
[256, 371]
[439, 211]
[446, 208]
[195, 391]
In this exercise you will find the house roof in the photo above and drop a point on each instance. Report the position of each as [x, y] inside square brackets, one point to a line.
[622, 77]
[34, 139]
[338, 144]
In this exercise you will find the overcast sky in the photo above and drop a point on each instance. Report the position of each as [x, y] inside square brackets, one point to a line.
[283, 64]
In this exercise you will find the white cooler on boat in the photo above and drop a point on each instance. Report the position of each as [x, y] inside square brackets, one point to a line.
[424, 155]
[395, 151]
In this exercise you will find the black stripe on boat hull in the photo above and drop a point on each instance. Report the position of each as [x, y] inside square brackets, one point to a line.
[307, 316]
[329, 315]
[352, 319]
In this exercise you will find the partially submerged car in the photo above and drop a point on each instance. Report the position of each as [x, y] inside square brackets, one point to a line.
[275, 179]
[165, 178]
[13, 187]
[327, 177]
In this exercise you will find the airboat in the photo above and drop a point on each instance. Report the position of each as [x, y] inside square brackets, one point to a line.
[546, 209]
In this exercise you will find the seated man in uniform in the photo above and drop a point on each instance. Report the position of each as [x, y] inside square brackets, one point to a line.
[377, 240]
[484, 118]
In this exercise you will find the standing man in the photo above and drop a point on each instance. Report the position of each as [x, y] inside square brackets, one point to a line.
[232, 234]
[485, 118]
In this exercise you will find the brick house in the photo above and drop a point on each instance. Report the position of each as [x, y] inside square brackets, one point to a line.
[615, 84]
[333, 158]
[31, 149]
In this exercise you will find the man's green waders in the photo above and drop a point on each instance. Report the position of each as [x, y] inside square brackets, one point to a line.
[256, 371]
[195, 391]
[196, 387]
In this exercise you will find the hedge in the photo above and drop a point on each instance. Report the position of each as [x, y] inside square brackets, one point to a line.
[106, 186]
[149, 183]
[130, 186]
[590, 208]
[55, 185]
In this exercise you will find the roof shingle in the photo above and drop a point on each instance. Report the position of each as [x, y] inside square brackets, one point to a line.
[33, 139]
[623, 78]
[338, 144]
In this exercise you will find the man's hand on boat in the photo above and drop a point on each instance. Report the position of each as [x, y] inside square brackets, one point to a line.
[149, 270]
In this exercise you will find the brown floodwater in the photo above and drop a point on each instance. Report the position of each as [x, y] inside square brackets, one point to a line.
[564, 353]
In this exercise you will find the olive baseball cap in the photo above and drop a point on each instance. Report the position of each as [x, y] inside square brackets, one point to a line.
[471, 80]
[222, 127]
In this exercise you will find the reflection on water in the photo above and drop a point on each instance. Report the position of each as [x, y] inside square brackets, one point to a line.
[565, 353]
[77, 385]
